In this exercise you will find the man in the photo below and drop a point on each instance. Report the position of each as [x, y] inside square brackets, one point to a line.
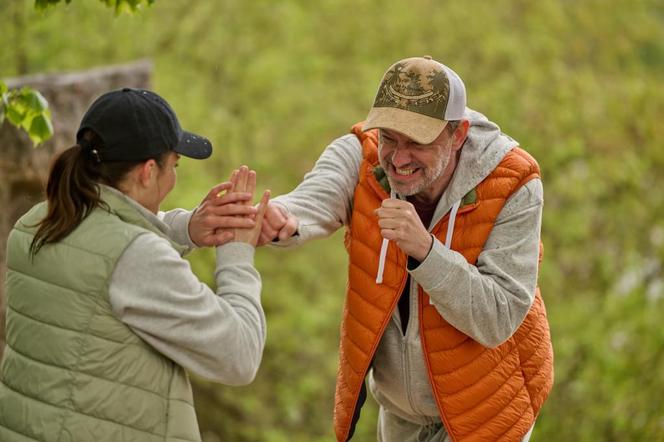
[443, 216]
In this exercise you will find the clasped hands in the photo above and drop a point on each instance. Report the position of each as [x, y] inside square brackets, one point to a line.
[228, 214]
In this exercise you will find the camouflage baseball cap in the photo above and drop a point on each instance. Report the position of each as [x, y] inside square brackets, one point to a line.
[417, 97]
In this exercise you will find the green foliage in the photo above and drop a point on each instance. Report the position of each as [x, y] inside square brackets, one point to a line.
[26, 109]
[120, 6]
[578, 84]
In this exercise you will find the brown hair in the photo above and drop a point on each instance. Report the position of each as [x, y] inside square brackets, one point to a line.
[452, 126]
[72, 190]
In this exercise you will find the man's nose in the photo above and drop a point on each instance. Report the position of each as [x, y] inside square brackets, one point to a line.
[401, 157]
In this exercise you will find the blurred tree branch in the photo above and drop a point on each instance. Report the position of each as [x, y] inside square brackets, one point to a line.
[120, 6]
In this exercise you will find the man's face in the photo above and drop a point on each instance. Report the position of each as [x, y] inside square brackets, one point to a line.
[417, 169]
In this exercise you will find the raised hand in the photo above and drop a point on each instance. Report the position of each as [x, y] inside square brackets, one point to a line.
[399, 222]
[215, 218]
[244, 181]
[252, 235]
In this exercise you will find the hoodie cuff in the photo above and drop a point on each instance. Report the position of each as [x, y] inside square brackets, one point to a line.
[436, 267]
[178, 221]
[235, 252]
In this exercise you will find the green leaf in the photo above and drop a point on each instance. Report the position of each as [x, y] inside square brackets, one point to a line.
[42, 5]
[33, 100]
[41, 129]
[3, 87]
[15, 116]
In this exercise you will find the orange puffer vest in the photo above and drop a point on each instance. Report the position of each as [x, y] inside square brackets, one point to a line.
[482, 393]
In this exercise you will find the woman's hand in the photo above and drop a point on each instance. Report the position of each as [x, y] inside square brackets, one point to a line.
[221, 211]
[244, 181]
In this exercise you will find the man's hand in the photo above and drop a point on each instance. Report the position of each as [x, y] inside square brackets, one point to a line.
[277, 224]
[399, 222]
[215, 218]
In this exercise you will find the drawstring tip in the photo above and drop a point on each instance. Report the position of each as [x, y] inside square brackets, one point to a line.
[381, 261]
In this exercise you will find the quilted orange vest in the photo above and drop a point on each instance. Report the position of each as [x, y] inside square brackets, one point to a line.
[482, 393]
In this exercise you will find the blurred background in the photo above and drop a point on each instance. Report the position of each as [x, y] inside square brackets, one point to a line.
[577, 83]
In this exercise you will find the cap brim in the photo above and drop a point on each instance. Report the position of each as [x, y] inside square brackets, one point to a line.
[194, 146]
[420, 128]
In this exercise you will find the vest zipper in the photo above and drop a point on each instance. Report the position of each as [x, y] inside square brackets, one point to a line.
[405, 353]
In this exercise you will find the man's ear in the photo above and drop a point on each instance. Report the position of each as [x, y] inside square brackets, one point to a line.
[460, 134]
[147, 172]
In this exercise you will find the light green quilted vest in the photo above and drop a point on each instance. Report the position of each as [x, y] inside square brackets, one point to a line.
[71, 370]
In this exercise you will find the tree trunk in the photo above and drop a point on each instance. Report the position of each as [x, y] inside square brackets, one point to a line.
[24, 168]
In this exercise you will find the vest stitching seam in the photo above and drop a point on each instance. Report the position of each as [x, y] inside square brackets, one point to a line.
[368, 302]
[14, 430]
[82, 414]
[359, 348]
[64, 243]
[541, 342]
[70, 329]
[91, 375]
[445, 350]
[459, 367]
[41, 280]
[168, 404]
[509, 377]
[499, 412]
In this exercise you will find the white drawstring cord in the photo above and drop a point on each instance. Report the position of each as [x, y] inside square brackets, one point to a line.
[450, 228]
[450, 224]
[448, 240]
[383, 252]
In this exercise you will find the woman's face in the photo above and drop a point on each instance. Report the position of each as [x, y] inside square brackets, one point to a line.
[157, 182]
[166, 177]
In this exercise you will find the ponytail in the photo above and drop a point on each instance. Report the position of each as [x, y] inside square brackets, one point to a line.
[72, 190]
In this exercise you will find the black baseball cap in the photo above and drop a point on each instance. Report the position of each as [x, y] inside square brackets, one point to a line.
[137, 124]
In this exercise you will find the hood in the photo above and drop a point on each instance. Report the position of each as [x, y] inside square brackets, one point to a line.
[483, 150]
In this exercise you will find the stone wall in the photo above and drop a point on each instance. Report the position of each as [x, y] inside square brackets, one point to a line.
[24, 168]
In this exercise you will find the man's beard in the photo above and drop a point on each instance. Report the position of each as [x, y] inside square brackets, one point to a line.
[430, 175]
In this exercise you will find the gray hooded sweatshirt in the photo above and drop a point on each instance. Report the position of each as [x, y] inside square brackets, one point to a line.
[487, 302]
[218, 336]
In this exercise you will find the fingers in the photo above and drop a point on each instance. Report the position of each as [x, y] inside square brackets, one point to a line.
[391, 223]
[232, 197]
[251, 182]
[393, 203]
[234, 210]
[273, 222]
[233, 179]
[223, 237]
[216, 190]
[231, 222]
[262, 207]
[289, 229]
[241, 179]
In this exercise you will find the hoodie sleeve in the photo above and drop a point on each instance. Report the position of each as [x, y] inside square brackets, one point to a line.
[216, 336]
[322, 202]
[489, 301]
[178, 222]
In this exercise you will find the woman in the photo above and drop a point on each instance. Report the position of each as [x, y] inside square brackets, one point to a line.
[103, 313]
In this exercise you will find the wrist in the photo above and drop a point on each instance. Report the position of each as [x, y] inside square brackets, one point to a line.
[425, 248]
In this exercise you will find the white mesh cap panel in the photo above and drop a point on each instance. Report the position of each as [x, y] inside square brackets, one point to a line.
[456, 105]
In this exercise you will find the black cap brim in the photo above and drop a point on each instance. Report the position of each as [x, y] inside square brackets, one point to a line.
[194, 146]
